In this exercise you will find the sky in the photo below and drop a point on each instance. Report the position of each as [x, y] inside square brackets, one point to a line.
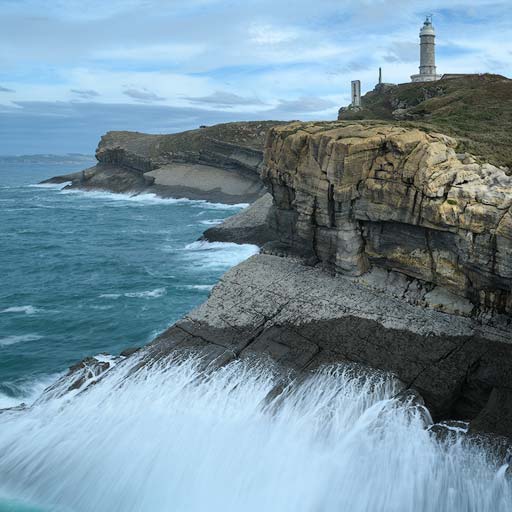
[70, 70]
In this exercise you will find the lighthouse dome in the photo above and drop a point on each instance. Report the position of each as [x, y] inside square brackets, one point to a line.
[427, 29]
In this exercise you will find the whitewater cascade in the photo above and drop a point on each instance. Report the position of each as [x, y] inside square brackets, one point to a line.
[172, 436]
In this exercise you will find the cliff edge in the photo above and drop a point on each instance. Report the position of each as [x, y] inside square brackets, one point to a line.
[393, 251]
[389, 249]
[356, 197]
[476, 109]
[219, 163]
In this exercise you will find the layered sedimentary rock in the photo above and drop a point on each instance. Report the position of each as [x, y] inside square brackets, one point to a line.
[360, 196]
[219, 163]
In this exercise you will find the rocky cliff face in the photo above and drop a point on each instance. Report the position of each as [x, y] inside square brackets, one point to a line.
[236, 146]
[219, 163]
[405, 223]
[363, 196]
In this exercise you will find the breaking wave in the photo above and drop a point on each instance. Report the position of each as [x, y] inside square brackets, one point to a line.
[28, 310]
[146, 294]
[148, 198]
[218, 254]
[176, 436]
[12, 340]
[52, 186]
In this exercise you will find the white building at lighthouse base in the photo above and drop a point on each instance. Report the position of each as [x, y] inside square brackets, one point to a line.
[425, 78]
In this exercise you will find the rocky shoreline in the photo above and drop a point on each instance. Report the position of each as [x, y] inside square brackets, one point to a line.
[380, 246]
[220, 164]
[301, 316]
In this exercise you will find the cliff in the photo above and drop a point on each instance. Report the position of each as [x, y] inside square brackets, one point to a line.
[360, 196]
[382, 246]
[476, 109]
[302, 318]
[392, 251]
[220, 163]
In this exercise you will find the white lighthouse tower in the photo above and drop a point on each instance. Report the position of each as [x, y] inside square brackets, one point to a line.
[428, 72]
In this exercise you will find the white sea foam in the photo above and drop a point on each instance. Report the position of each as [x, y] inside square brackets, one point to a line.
[148, 294]
[132, 198]
[52, 186]
[28, 310]
[218, 255]
[27, 392]
[150, 199]
[198, 286]
[107, 358]
[221, 206]
[12, 340]
[212, 222]
[169, 437]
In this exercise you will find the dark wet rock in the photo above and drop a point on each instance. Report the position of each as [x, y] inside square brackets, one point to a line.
[301, 316]
[250, 226]
[496, 416]
[80, 376]
[127, 352]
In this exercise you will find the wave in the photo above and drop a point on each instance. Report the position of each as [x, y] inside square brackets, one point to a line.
[149, 294]
[149, 198]
[212, 222]
[198, 286]
[174, 436]
[51, 186]
[12, 340]
[28, 310]
[218, 254]
[25, 392]
[221, 206]
[146, 294]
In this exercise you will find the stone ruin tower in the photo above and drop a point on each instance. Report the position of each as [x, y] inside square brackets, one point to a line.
[356, 93]
[428, 71]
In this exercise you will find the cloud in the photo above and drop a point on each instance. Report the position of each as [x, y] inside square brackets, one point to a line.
[304, 105]
[271, 35]
[224, 99]
[66, 127]
[403, 51]
[86, 94]
[165, 53]
[4, 89]
[143, 95]
[60, 127]
[185, 55]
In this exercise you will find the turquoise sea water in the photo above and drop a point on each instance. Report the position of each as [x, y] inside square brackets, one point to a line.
[85, 273]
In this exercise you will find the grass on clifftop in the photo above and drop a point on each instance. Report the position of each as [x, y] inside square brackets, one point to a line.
[249, 134]
[475, 109]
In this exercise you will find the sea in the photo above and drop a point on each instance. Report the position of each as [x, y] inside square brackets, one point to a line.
[90, 273]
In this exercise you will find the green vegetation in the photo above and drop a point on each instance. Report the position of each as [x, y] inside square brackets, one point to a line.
[475, 109]
[250, 134]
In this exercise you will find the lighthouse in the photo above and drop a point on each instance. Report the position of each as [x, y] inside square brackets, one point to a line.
[428, 72]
